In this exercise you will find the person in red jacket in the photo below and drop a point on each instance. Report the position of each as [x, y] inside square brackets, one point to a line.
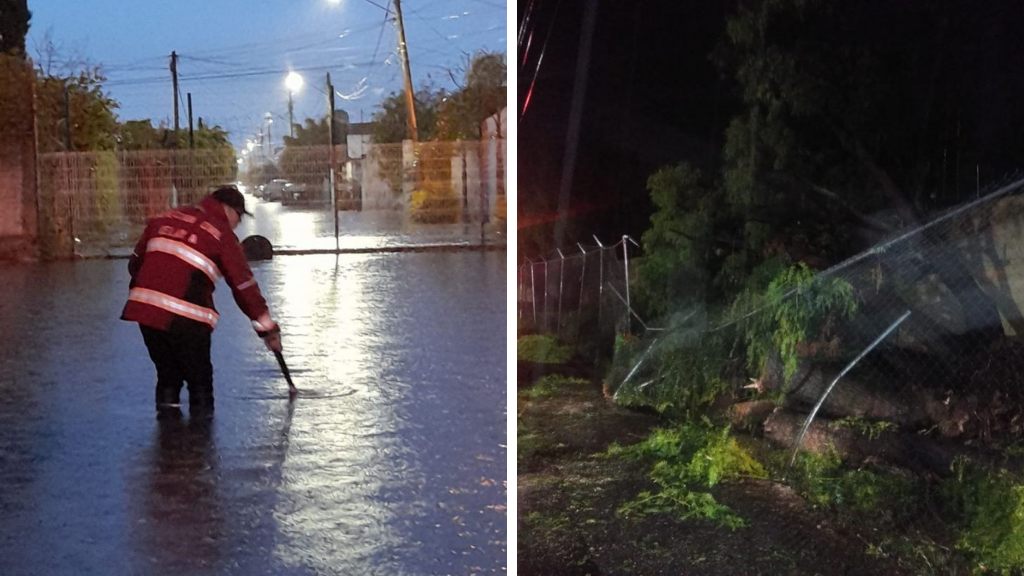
[174, 269]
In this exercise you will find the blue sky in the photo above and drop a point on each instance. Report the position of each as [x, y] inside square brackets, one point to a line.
[234, 54]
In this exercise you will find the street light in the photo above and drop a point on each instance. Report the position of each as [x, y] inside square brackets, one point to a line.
[294, 83]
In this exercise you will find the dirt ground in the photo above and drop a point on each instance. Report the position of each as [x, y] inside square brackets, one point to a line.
[568, 497]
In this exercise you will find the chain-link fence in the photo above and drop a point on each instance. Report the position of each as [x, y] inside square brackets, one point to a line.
[917, 339]
[888, 388]
[578, 291]
[434, 192]
[920, 333]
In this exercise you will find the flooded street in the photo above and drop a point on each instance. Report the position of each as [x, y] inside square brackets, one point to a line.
[391, 461]
[311, 227]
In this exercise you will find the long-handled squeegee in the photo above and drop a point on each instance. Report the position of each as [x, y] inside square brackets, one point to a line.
[292, 390]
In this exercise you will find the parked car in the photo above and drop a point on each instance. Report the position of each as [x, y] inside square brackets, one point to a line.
[274, 190]
[305, 194]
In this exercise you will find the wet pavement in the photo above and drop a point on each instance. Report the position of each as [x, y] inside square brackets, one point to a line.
[391, 461]
[311, 227]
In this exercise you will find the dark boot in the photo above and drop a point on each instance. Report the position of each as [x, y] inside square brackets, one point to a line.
[200, 405]
[168, 398]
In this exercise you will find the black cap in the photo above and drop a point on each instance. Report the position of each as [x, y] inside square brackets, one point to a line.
[231, 197]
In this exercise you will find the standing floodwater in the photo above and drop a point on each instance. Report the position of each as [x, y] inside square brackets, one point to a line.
[392, 460]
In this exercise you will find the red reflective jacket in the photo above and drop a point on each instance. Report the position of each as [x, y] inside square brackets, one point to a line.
[176, 265]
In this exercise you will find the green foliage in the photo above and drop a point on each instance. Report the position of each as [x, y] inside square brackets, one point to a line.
[988, 508]
[526, 442]
[795, 308]
[92, 111]
[861, 492]
[684, 504]
[552, 384]
[676, 245]
[873, 430]
[542, 349]
[390, 121]
[686, 457]
[481, 96]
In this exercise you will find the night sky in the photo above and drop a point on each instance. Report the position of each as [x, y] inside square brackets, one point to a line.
[655, 98]
[234, 54]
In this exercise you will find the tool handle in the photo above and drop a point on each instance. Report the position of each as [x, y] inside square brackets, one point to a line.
[287, 374]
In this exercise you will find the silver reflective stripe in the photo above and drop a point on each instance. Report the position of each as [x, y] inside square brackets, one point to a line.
[186, 253]
[174, 305]
[245, 285]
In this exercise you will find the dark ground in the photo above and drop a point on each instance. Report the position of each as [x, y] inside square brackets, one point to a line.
[391, 461]
[568, 498]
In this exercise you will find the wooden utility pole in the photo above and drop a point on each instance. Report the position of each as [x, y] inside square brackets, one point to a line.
[191, 138]
[403, 51]
[174, 83]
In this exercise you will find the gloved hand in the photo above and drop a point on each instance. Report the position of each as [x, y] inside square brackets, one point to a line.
[272, 338]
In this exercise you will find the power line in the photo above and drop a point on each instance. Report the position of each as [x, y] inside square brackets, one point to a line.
[369, 68]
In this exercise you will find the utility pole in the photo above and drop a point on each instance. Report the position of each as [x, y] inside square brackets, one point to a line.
[191, 139]
[403, 51]
[174, 82]
[330, 155]
[67, 119]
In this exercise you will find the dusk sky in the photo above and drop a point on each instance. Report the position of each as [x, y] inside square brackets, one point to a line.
[234, 55]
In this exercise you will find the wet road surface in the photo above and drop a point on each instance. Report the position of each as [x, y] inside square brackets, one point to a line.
[311, 227]
[391, 461]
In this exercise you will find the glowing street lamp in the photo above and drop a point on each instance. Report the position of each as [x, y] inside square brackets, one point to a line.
[294, 83]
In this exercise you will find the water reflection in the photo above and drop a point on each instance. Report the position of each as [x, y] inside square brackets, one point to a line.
[312, 227]
[184, 524]
[393, 464]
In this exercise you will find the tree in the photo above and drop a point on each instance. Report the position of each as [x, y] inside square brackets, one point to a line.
[92, 111]
[14, 25]
[390, 124]
[314, 132]
[482, 95]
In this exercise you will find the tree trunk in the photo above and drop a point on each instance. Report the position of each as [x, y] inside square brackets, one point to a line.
[904, 449]
[849, 397]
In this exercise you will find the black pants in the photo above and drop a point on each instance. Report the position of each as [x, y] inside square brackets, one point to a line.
[180, 358]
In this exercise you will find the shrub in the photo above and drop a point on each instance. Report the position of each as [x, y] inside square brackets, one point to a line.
[434, 207]
[988, 507]
[552, 384]
[542, 349]
[685, 458]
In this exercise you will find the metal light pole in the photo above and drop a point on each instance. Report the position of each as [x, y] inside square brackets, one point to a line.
[270, 139]
[294, 83]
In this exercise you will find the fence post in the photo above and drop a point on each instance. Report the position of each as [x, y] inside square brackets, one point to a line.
[546, 316]
[532, 290]
[625, 261]
[600, 280]
[519, 291]
[583, 275]
[561, 279]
